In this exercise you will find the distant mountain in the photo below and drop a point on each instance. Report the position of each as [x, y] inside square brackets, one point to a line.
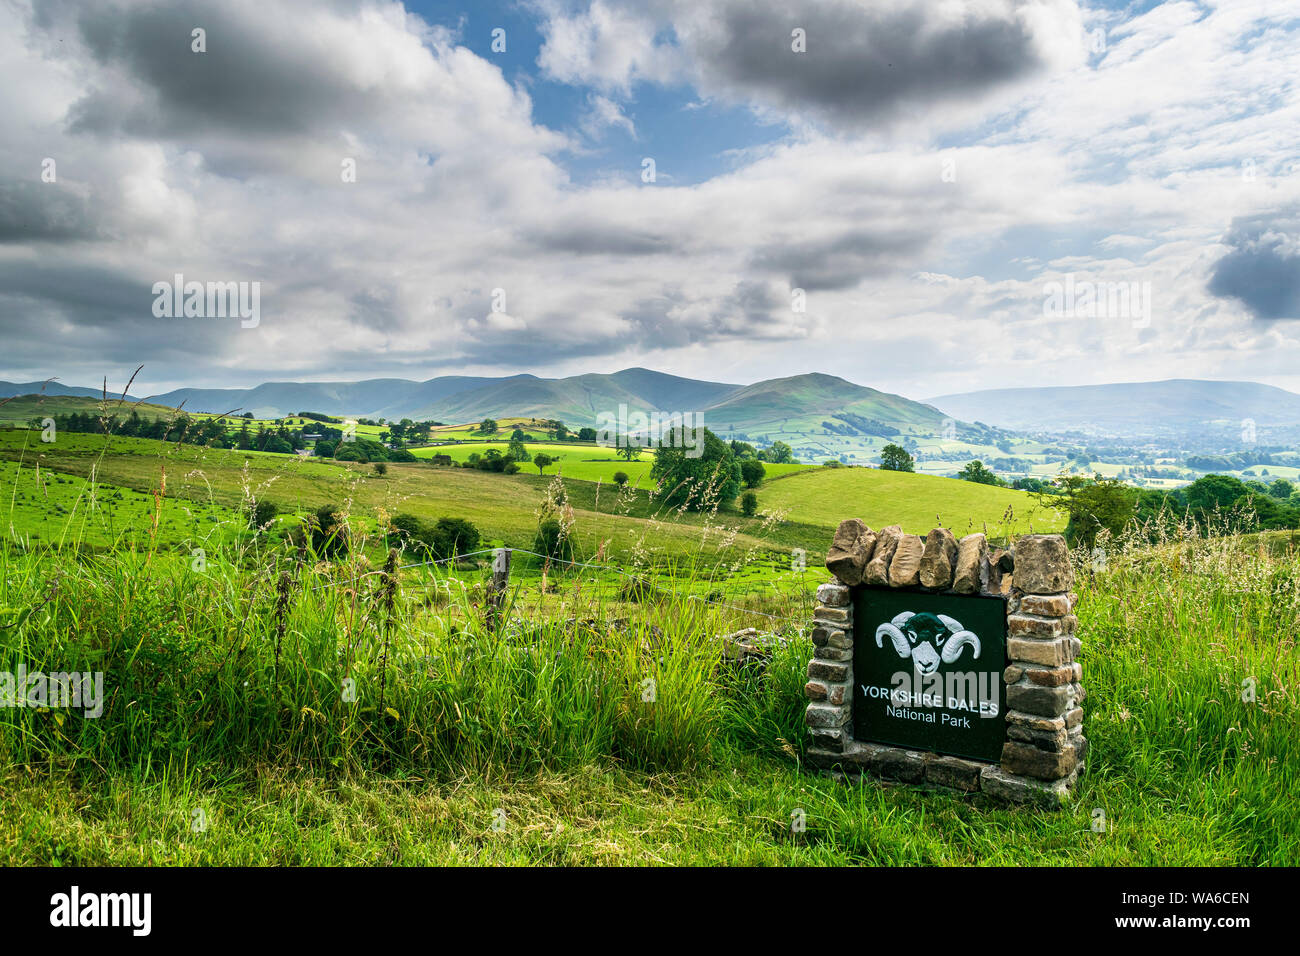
[1129, 410]
[10, 389]
[796, 403]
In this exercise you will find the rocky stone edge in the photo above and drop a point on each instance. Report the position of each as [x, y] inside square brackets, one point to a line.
[1045, 749]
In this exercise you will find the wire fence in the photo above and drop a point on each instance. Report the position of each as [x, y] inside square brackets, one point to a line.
[501, 558]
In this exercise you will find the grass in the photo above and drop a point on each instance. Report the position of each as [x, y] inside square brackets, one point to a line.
[826, 496]
[317, 714]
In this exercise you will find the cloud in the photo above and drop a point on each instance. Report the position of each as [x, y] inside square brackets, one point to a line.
[860, 65]
[1262, 270]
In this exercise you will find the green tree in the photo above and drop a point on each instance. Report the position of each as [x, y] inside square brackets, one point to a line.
[488, 426]
[620, 478]
[976, 472]
[516, 450]
[749, 504]
[752, 471]
[1209, 492]
[895, 458]
[542, 461]
[779, 453]
[1092, 505]
[713, 477]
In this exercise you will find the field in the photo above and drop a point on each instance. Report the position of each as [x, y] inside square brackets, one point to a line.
[917, 502]
[228, 734]
[585, 462]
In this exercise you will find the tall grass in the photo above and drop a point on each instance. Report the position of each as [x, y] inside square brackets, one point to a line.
[331, 668]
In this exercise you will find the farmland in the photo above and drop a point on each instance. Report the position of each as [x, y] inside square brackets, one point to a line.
[230, 700]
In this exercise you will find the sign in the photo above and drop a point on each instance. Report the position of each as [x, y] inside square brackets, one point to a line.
[927, 671]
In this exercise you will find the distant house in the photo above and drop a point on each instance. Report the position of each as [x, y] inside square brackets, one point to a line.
[311, 436]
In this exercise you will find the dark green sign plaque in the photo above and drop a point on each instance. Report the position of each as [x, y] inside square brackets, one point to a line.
[928, 671]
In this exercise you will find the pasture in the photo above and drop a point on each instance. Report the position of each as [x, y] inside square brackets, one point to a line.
[535, 740]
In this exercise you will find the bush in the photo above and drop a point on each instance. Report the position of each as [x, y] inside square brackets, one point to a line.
[261, 513]
[620, 478]
[752, 472]
[552, 542]
[329, 533]
[749, 504]
[453, 536]
[380, 468]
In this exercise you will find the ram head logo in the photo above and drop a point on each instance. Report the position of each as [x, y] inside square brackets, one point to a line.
[928, 639]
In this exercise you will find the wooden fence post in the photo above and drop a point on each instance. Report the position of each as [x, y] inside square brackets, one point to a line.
[499, 586]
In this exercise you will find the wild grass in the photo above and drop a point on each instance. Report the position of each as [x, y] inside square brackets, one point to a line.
[338, 712]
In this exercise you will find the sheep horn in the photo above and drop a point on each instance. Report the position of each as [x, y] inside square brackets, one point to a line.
[953, 648]
[901, 646]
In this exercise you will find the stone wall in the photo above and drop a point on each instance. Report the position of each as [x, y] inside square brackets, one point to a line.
[1042, 684]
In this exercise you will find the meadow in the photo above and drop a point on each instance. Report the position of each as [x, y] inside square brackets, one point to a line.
[274, 707]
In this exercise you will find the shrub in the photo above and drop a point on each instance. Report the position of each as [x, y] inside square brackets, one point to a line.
[620, 478]
[381, 469]
[749, 504]
[552, 542]
[752, 472]
[329, 533]
[261, 513]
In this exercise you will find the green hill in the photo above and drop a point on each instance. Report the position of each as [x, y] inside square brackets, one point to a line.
[826, 496]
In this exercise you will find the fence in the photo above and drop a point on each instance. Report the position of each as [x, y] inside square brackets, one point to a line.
[499, 584]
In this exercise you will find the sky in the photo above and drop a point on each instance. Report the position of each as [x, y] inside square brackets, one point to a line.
[922, 196]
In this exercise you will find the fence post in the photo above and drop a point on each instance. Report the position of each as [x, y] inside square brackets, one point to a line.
[499, 586]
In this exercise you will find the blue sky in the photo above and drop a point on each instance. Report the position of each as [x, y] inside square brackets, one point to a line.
[905, 192]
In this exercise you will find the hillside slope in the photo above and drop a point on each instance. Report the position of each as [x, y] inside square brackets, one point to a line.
[1127, 409]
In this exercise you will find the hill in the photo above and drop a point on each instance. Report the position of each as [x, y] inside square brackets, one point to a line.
[1177, 407]
[826, 496]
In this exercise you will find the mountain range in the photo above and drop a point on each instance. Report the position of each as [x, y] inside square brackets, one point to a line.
[1128, 410]
[576, 400]
[799, 403]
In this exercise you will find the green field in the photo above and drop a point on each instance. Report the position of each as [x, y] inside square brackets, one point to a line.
[826, 496]
[583, 461]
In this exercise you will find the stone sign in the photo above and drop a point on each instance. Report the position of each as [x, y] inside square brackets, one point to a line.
[943, 662]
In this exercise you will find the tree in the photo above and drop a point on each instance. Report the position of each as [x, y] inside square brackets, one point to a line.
[1093, 505]
[895, 458]
[976, 472]
[488, 426]
[542, 461]
[751, 471]
[620, 478]
[629, 450]
[586, 434]
[381, 469]
[779, 453]
[1214, 491]
[453, 536]
[1281, 489]
[698, 483]
[516, 450]
[749, 504]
